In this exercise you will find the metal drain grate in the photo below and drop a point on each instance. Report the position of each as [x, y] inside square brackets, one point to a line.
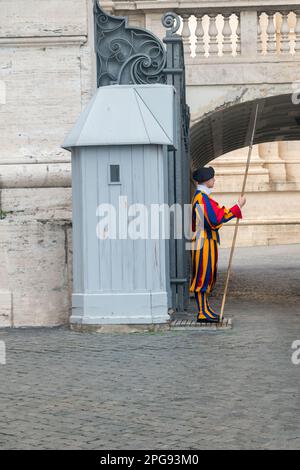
[192, 324]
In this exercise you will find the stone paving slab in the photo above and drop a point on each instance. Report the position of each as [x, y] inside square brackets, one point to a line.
[237, 389]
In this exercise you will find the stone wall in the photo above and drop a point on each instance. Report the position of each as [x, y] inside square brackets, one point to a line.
[47, 65]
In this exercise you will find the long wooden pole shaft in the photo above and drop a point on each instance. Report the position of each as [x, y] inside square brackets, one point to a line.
[238, 220]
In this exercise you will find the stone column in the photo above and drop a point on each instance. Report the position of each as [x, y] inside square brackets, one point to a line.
[269, 153]
[289, 152]
[249, 29]
[231, 169]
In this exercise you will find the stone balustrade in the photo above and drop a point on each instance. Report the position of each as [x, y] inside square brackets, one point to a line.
[219, 35]
[217, 30]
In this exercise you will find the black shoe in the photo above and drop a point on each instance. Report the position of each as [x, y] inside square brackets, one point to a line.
[205, 320]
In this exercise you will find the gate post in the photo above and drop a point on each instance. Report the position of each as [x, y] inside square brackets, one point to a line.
[178, 160]
[131, 55]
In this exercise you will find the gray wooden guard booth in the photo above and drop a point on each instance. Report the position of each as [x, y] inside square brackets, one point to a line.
[118, 150]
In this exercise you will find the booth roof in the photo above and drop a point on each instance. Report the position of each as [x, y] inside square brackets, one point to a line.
[126, 115]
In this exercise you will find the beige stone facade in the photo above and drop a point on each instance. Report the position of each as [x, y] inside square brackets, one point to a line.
[272, 213]
[47, 75]
[47, 65]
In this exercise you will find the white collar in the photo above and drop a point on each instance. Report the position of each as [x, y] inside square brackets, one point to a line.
[204, 189]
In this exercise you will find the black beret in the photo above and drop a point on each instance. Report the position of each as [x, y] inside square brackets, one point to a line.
[203, 174]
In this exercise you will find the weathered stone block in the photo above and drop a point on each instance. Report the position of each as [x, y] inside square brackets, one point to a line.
[5, 308]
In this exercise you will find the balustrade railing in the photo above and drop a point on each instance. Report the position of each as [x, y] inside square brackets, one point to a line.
[215, 35]
[211, 35]
[279, 32]
[236, 29]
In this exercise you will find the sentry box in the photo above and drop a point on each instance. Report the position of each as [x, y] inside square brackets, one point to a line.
[119, 177]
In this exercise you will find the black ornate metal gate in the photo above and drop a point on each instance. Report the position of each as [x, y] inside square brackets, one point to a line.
[129, 55]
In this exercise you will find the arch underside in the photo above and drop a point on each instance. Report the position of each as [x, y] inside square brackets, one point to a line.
[230, 127]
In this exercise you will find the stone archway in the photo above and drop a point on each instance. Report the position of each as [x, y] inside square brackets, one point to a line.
[221, 137]
[229, 127]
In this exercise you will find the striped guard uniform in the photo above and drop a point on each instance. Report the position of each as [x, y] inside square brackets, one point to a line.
[207, 218]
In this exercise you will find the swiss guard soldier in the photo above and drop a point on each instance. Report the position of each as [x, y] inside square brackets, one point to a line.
[207, 218]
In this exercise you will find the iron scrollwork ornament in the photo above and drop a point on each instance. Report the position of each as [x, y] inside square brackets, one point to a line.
[125, 54]
[171, 21]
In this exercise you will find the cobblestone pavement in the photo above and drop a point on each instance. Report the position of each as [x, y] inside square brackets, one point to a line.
[171, 390]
